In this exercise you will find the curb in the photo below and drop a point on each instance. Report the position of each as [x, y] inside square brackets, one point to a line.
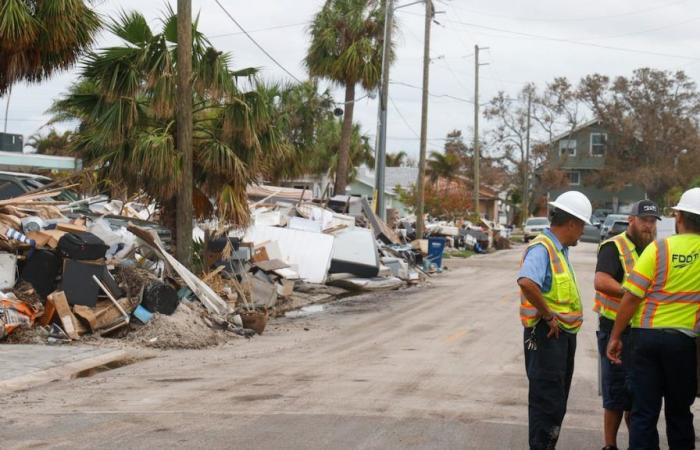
[63, 372]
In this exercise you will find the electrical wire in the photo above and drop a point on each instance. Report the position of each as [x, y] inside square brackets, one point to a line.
[577, 19]
[571, 41]
[262, 49]
[401, 83]
[398, 111]
[259, 30]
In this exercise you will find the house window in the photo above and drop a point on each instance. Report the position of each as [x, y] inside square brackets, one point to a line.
[598, 144]
[567, 147]
[574, 177]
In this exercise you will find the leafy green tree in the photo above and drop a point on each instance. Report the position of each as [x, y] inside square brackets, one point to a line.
[346, 48]
[125, 104]
[39, 37]
[652, 118]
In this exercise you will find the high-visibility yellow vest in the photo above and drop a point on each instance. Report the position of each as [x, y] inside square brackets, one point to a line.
[673, 296]
[563, 297]
[604, 304]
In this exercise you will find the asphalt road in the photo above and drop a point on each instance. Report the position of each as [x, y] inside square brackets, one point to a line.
[435, 368]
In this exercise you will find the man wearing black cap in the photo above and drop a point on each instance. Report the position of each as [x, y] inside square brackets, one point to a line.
[616, 259]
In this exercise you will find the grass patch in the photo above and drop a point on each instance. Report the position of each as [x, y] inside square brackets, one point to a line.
[458, 254]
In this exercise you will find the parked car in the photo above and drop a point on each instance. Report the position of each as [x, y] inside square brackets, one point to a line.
[591, 233]
[617, 227]
[533, 227]
[13, 184]
[609, 221]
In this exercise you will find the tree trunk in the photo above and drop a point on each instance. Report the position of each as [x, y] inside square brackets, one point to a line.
[184, 131]
[341, 172]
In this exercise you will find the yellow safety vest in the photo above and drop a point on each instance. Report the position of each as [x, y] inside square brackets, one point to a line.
[562, 298]
[603, 304]
[673, 296]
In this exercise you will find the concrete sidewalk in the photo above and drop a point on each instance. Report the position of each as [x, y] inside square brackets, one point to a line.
[25, 366]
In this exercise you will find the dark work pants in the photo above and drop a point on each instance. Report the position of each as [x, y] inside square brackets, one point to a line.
[663, 366]
[549, 370]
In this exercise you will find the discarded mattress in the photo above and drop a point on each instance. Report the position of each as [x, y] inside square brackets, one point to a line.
[355, 251]
[309, 252]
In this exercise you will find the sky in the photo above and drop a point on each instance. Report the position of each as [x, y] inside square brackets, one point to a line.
[528, 41]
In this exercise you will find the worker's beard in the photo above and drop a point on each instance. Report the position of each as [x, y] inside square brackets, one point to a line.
[640, 238]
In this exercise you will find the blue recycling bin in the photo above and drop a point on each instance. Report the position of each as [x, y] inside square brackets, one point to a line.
[436, 246]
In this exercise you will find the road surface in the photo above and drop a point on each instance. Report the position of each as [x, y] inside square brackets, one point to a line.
[435, 368]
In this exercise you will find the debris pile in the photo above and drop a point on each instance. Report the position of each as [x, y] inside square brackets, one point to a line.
[70, 275]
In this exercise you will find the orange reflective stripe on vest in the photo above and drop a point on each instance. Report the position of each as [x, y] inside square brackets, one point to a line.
[604, 304]
[563, 298]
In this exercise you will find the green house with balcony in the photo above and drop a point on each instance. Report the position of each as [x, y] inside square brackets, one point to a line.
[580, 153]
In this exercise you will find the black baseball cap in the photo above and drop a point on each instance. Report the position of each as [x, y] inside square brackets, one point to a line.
[645, 208]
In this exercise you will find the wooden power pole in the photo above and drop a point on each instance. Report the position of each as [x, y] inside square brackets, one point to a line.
[380, 171]
[526, 163]
[477, 155]
[184, 131]
[420, 182]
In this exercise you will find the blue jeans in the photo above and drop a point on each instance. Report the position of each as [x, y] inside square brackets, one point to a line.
[615, 379]
[664, 367]
[550, 368]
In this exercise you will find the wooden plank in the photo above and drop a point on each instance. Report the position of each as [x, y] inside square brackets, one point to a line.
[381, 229]
[204, 293]
[65, 315]
[273, 264]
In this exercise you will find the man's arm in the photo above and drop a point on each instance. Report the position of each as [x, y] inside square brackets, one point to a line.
[532, 293]
[628, 307]
[608, 285]
[607, 268]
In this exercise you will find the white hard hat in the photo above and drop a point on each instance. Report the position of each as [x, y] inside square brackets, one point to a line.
[576, 204]
[689, 202]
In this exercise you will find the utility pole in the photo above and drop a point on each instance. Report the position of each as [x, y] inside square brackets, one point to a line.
[420, 183]
[7, 106]
[380, 165]
[476, 127]
[526, 162]
[184, 131]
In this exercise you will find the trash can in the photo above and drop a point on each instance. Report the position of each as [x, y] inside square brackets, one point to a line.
[436, 246]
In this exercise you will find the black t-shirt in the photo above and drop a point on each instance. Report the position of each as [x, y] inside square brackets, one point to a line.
[609, 262]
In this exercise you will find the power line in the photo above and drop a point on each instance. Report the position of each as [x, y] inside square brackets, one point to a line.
[278, 27]
[256, 43]
[398, 111]
[570, 41]
[401, 83]
[577, 19]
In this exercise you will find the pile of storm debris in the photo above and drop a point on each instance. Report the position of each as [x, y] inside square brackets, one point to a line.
[70, 276]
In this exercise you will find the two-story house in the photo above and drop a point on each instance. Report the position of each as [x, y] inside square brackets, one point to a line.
[579, 153]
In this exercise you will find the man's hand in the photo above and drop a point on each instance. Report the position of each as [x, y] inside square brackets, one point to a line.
[553, 324]
[614, 351]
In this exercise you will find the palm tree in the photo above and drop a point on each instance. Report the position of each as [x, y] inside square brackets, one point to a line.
[397, 159]
[38, 37]
[443, 165]
[52, 143]
[346, 48]
[125, 104]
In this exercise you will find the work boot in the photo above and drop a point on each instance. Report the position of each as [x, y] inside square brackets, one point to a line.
[610, 447]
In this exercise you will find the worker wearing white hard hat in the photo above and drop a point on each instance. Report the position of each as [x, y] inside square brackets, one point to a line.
[662, 300]
[551, 313]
